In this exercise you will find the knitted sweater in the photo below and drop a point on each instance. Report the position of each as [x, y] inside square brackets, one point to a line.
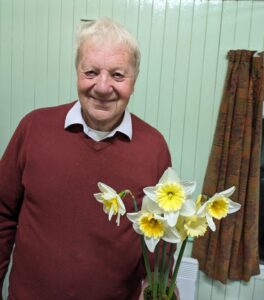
[65, 247]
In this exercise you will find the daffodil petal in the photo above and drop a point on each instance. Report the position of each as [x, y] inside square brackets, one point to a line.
[171, 235]
[150, 191]
[109, 196]
[111, 213]
[188, 208]
[151, 243]
[112, 202]
[233, 206]
[98, 197]
[150, 205]
[137, 229]
[227, 193]
[133, 217]
[201, 211]
[171, 217]
[189, 186]
[121, 204]
[210, 222]
[169, 176]
[105, 188]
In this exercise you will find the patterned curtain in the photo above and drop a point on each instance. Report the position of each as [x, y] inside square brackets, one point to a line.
[231, 252]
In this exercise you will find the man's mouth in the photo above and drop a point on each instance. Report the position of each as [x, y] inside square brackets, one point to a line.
[102, 101]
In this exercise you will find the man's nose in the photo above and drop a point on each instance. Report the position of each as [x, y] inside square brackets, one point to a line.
[103, 84]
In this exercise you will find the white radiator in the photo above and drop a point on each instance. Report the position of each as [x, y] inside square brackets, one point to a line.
[187, 278]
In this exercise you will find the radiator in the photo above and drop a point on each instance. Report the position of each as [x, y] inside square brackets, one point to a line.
[187, 278]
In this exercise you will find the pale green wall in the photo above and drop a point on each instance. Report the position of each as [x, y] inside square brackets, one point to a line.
[184, 46]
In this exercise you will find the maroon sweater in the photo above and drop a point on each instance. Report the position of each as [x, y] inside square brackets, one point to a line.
[65, 247]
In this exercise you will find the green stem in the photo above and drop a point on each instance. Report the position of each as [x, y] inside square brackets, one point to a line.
[142, 241]
[162, 266]
[156, 273]
[176, 269]
[128, 192]
[146, 260]
[167, 268]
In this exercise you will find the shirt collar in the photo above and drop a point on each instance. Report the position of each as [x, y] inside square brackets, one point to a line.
[74, 116]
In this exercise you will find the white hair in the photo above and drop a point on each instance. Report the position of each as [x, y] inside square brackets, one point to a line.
[106, 30]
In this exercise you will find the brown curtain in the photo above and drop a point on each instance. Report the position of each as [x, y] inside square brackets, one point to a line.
[231, 252]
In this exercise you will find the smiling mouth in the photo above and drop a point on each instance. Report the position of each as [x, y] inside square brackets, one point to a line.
[103, 102]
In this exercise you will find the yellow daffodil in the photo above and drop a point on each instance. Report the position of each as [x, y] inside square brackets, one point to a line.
[112, 202]
[150, 223]
[192, 226]
[170, 194]
[218, 207]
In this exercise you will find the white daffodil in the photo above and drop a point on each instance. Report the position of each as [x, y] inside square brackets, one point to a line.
[218, 207]
[112, 202]
[170, 194]
[152, 225]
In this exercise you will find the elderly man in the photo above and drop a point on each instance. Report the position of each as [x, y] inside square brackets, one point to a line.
[65, 247]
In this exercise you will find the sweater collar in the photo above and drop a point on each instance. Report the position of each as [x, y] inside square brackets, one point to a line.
[74, 116]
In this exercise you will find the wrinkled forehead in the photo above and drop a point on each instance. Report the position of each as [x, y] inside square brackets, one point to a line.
[107, 46]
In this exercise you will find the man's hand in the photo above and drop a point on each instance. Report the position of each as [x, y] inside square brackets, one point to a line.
[145, 284]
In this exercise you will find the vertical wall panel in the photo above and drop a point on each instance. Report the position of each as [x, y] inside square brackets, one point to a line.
[226, 42]
[17, 63]
[106, 8]
[256, 39]
[66, 51]
[243, 24]
[169, 45]
[208, 84]
[195, 70]
[6, 21]
[131, 16]
[218, 290]
[41, 46]
[29, 56]
[92, 9]
[180, 82]
[144, 29]
[79, 12]
[53, 51]
[155, 62]
[258, 289]
[232, 290]
[119, 11]
[246, 290]
[204, 287]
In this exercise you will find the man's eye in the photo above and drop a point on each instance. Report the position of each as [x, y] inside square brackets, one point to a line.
[118, 76]
[90, 74]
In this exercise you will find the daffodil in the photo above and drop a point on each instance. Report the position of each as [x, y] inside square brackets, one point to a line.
[192, 226]
[218, 207]
[152, 225]
[170, 194]
[112, 202]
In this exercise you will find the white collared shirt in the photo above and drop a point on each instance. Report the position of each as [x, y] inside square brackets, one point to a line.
[74, 116]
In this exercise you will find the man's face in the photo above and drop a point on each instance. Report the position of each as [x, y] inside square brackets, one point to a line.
[105, 81]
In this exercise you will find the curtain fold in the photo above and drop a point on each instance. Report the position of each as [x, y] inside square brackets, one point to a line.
[231, 252]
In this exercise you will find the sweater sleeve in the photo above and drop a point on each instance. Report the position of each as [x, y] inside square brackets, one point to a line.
[11, 196]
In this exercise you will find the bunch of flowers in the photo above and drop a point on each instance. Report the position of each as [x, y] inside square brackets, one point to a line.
[167, 213]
